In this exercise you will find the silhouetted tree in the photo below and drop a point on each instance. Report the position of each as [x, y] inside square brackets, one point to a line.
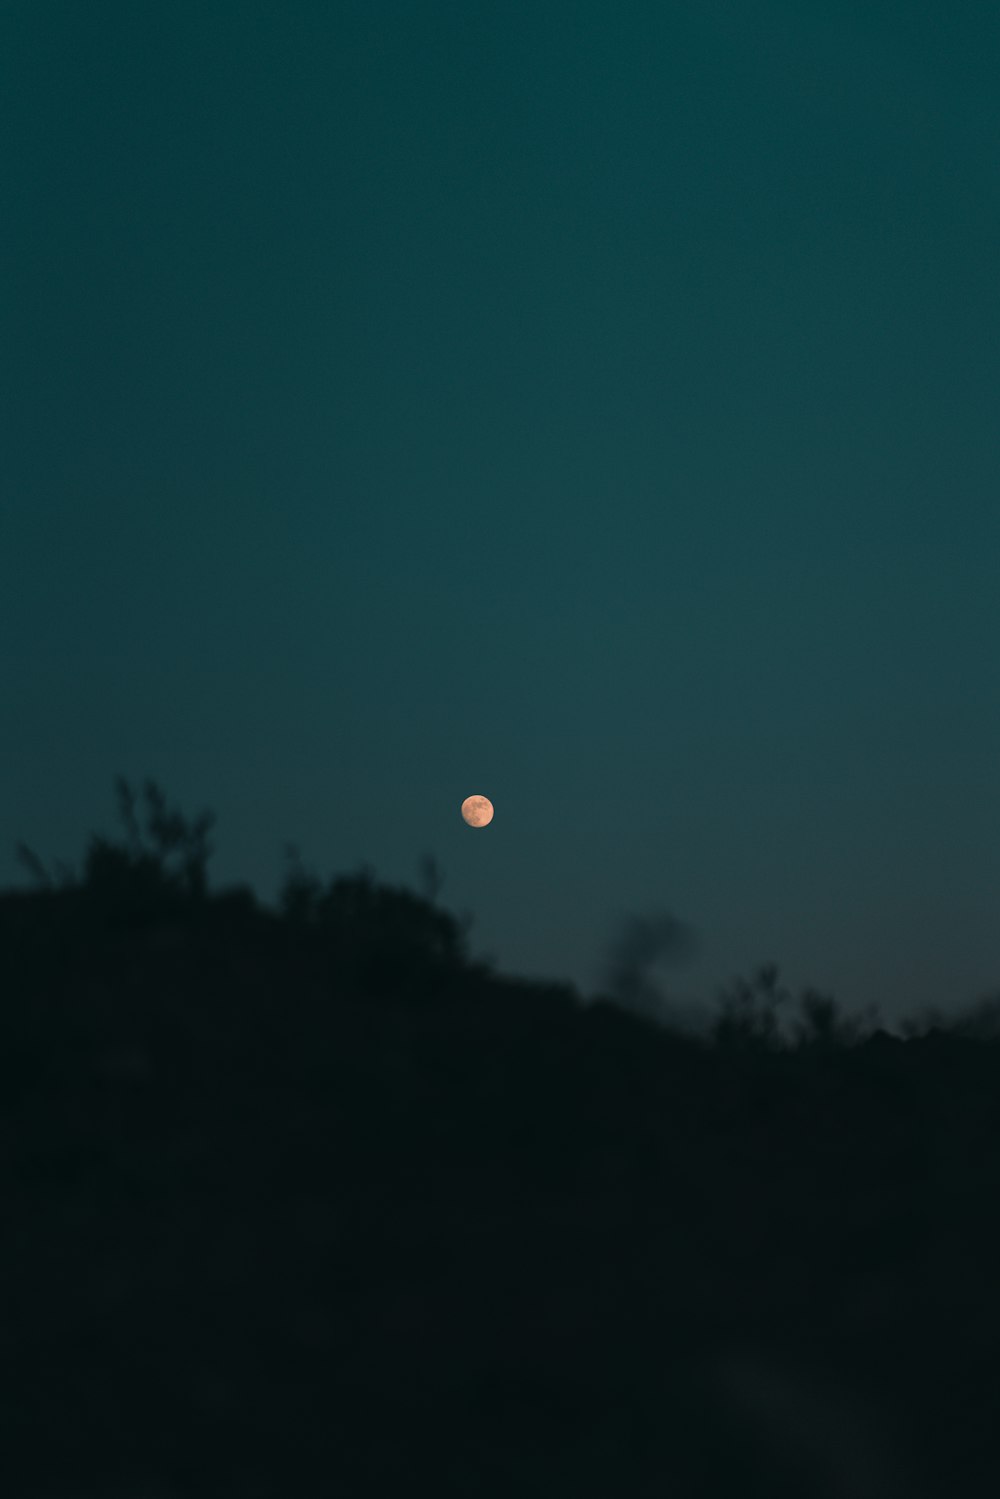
[639, 945]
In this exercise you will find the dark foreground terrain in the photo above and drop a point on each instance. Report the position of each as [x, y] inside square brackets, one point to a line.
[303, 1203]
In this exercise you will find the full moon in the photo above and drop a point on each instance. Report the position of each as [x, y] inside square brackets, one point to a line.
[477, 811]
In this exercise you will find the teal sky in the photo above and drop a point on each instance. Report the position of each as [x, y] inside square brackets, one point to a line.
[590, 405]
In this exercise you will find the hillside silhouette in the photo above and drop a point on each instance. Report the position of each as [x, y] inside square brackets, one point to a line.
[304, 1201]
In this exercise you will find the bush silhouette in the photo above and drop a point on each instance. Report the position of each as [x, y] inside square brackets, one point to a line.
[306, 1201]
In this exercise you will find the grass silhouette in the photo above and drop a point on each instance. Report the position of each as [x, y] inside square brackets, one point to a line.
[304, 1201]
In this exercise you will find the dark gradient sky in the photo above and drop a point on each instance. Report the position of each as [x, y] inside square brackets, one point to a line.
[590, 405]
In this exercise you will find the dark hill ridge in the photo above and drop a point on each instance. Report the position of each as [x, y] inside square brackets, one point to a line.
[303, 1202]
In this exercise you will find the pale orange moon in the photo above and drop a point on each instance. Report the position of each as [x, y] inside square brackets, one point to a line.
[477, 811]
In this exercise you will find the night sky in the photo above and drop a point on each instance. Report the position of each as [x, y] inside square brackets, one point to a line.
[593, 406]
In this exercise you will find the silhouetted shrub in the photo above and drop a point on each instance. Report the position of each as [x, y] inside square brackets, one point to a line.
[274, 1229]
[167, 858]
[750, 1018]
[300, 890]
[821, 1024]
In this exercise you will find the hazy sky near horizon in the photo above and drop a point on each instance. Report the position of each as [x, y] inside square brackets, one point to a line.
[593, 406]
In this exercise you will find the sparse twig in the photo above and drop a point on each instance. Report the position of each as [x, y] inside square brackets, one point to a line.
[30, 861]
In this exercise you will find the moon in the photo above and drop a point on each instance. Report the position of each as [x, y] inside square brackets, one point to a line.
[477, 811]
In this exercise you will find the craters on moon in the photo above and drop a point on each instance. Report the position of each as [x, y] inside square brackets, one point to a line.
[477, 811]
